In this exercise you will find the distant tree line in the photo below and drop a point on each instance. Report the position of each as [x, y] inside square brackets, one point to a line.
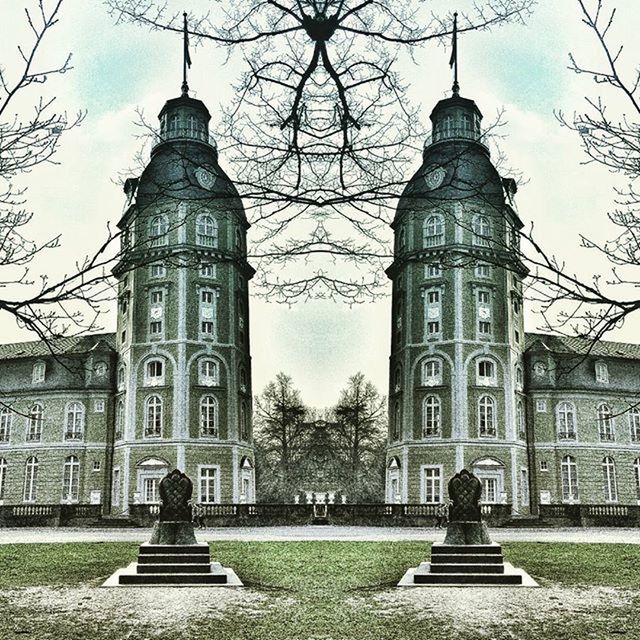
[339, 449]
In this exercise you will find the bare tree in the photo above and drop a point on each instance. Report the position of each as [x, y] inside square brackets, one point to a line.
[321, 133]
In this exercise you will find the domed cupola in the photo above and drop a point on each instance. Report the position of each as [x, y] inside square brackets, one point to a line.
[455, 118]
[184, 118]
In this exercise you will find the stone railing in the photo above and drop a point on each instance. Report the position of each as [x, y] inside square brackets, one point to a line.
[586, 515]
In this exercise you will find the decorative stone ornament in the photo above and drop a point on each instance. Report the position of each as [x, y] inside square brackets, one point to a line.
[205, 178]
[434, 177]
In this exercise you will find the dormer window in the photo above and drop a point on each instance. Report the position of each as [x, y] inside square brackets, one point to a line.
[481, 231]
[206, 231]
[433, 232]
[38, 372]
[158, 231]
[602, 372]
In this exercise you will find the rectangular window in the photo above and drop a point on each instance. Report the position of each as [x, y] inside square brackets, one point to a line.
[98, 406]
[541, 406]
[483, 297]
[483, 271]
[433, 311]
[6, 419]
[489, 490]
[207, 312]
[157, 271]
[208, 485]
[543, 465]
[150, 493]
[432, 485]
[208, 270]
[39, 369]
[96, 465]
[207, 297]
[433, 297]
[206, 327]
[115, 488]
[484, 327]
[157, 296]
[433, 328]
[155, 327]
[433, 271]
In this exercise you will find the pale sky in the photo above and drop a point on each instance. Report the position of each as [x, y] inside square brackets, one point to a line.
[117, 69]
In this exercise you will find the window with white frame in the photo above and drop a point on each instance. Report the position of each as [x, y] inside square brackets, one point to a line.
[483, 271]
[153, 417]
[520, 420]
[206, 230]
[609, 477]
[121, 378]
[566, 421]
[433, 271]
[544, 465]
[569, 475]
[98, 406]
[6, 421]
[431, 416]
[602, 372]
[432, 372]
[634, 424]
[487, 417]
[209, 417]
[541, 406]
[481, 231]
[433, 311]
[3, 477]
[30, 493]
[604, 417]
[208, 485]
[636, 475]
[38, 372]
[207, 312]
[34, 422]
[157, 270]
[519, 377]
[97, 465]
[119, 419]
[209, 372]
[208, 270]
[158, 231]
[156, 312]
[432, 484]
[433, 231]
[115, 488]
[486, 372]
[154, 373]
[151, 490]
[483, 312]
[74, 425]
[71, 479]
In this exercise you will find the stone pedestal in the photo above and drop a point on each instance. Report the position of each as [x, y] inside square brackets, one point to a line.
[173, 532]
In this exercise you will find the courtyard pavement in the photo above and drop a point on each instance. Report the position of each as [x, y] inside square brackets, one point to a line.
[311, 532]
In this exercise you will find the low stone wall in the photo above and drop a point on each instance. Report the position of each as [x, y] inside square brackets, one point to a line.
[48, 515]
[590, 515]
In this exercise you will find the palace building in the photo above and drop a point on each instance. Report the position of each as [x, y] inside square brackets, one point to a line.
[102, 418]
[538, 418]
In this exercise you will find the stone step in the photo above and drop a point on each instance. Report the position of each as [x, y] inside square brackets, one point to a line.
[174, 558]
[465, 579]
[173, 548]
[488, 549]
[466, 558]
[467, 568]
[174, 568]
[174, 578]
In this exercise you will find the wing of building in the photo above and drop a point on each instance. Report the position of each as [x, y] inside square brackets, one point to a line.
[102, 418]
[538, 418]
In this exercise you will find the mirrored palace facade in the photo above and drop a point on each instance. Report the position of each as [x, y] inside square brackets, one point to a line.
[104, 417]
[538, 418]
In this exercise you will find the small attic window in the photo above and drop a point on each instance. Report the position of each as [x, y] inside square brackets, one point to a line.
[602, 372]
[38, 372]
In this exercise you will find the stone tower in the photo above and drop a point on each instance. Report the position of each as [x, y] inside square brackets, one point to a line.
[456, 382]
[184, 371]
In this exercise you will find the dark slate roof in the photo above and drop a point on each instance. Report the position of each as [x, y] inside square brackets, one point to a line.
[583, 346]
[57, 346]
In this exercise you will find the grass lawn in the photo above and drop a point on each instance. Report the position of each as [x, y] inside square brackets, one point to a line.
[319, 591]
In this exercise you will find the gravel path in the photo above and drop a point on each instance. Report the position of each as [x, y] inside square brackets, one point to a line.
[31, 535]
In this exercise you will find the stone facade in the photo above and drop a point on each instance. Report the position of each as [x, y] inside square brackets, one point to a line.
[172, 387]
[461, 391]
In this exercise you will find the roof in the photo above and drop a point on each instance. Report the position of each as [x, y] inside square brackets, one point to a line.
[583, 346]
[56, 346]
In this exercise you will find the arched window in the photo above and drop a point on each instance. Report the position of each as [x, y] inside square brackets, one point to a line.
[397, 381]
[432, 372]
[431, 417]
[481, 231]
[173, 123]
[569, 473]
[397, 421]
[636, 475]
[74, 426]
[566, 421]
[242, 377]
[209, 372]
[206, 231]
[3, 477]
[433, 231]
[605, 421]
[154, 372]
[158, 231]
[153, 417]
[6, 420]
[487, 416]
[519, 377]
[71, 480]
[192, 126]
[209, 417]
[120, 419]
[602, 372]
[34, 422]
[30, 480]
[121, 378]
[486, 372]
[520, 423]
[244, 423]
[609, 477]
[634, 424]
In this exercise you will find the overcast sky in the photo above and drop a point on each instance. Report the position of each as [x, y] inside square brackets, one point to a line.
[521, 69]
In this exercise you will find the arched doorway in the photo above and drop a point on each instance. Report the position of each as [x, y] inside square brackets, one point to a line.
[490, 472]
[149, 473]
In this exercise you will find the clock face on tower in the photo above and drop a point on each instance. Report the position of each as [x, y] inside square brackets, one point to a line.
[206, 179]
[434, 176]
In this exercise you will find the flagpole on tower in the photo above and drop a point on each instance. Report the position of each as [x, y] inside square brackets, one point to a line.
[453, 61]
[186, 58]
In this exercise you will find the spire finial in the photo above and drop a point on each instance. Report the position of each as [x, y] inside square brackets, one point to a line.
[453, 61]
[186, 58]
